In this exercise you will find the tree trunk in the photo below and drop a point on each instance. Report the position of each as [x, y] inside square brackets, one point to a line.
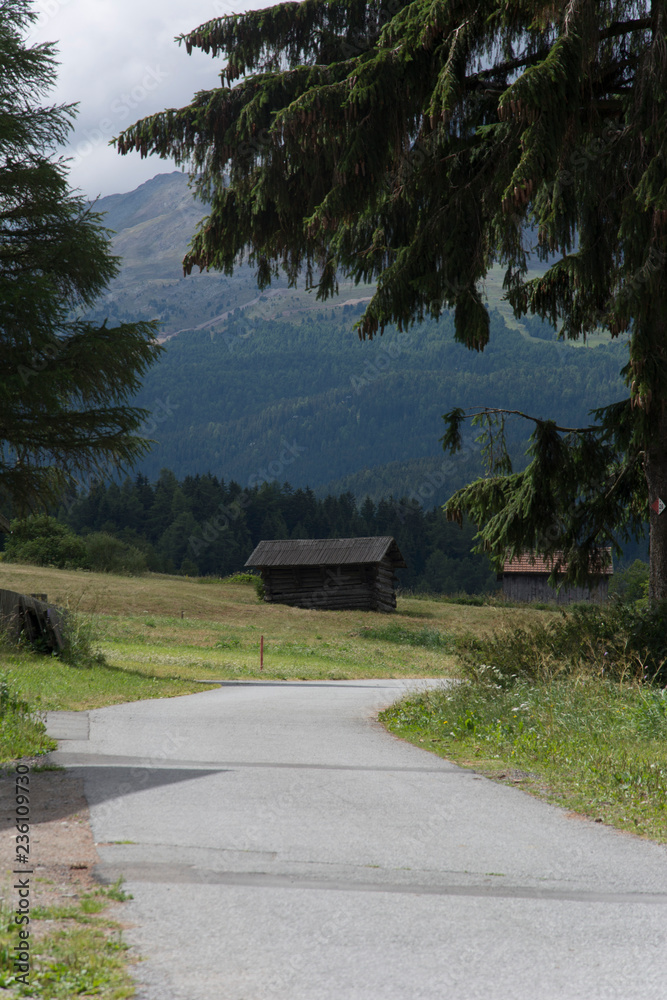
[656, 478]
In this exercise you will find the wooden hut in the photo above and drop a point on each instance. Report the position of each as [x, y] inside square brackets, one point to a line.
[526, 578]
[4, 525]
[330, 573]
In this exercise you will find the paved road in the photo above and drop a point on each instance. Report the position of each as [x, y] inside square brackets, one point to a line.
[283, 846]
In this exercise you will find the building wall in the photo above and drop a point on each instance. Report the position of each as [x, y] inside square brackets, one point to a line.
[361, 587]
[531, 587]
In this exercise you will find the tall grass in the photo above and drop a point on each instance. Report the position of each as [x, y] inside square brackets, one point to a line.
[425, 637]
[597, 746]
[22, 732]
[82, 637]
[617, 641]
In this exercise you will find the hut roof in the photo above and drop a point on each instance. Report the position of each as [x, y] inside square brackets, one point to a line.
[531, 563]
[4, 524]
[326, 552]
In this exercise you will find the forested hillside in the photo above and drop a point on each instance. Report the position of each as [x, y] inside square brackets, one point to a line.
[275, 400]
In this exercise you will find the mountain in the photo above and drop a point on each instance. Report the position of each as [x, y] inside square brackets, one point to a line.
[152, 227]
[277, 386]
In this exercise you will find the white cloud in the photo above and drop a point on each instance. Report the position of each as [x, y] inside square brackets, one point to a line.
[119, 62]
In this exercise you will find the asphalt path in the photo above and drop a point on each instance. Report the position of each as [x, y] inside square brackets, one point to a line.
[281, 845]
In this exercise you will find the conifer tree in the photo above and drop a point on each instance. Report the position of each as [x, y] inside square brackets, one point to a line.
[417, 143]
[64, 383]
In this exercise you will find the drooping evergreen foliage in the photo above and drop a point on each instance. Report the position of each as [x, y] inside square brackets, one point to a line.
[64, 384]
[418, 143]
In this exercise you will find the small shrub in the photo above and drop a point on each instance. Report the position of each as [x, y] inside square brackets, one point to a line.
[9, 700]
[631, 584]
[228, 642]
[618, 642]
[81, 641]
[106, 554]
[41, 540]
[260, 589]
[22, 733]
[242, 578]
[475, 600]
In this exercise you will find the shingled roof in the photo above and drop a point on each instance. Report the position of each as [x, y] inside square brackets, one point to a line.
[530, 563]
[326, 552]
[4, 524]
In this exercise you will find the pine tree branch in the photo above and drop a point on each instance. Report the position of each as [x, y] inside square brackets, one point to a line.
[502, 69]
[486, 410]
[627, 467]
[625, 27]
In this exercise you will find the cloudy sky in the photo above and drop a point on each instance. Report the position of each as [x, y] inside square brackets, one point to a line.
[119, 61]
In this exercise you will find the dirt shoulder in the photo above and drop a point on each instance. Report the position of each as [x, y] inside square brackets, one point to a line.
[73, 935]
[62, 850]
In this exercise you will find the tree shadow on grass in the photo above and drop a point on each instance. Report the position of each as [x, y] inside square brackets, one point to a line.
[110, 668]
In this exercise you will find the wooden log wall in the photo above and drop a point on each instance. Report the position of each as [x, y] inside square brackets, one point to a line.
[531, 587]
[352, 587]
[385, 586]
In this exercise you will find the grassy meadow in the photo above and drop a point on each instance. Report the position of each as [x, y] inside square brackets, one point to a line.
[161, 635]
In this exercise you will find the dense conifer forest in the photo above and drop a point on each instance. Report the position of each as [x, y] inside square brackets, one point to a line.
[204, 526]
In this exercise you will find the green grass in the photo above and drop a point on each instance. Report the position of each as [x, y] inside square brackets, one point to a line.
[50, 684]
[401, 635]
[22, 733]
[82, 955]
[596, 747]
[568, 707]
[203, 650]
